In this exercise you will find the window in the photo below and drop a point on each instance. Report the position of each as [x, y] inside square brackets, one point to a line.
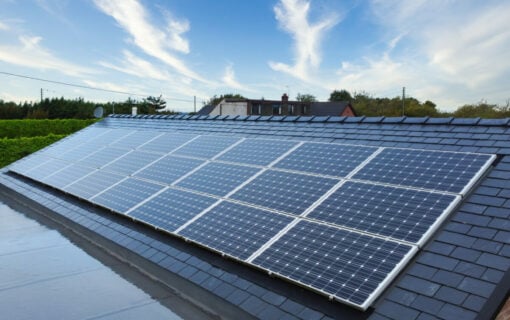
[277, 109]
[256, 109]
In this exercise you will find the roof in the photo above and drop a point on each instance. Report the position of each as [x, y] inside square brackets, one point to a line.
[463, 272]
[328, 108]
[205, 110]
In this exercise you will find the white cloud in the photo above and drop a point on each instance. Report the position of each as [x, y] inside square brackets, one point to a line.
[113, 87]
[31, 54]
[3, 26]
[136, 66]
[156, 42]
[229, 79]
[293, 18]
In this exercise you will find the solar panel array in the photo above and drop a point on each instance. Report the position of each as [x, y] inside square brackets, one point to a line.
[341, 220]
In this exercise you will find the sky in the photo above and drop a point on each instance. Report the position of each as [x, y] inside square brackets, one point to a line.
[451, 52]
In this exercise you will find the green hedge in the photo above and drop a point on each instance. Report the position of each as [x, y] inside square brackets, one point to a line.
[34, 128]
[14, 149]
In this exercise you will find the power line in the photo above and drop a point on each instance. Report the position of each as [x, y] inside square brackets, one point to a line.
[83, 86]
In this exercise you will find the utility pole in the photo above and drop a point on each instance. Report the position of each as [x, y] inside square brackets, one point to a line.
[403, 100]
[41, 95]
[195, 104]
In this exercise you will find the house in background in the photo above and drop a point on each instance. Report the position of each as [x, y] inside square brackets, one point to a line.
[284, 107]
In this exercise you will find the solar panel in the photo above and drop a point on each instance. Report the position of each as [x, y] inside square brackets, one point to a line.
[126, 194]
[257, 151]
[167, 142]
[169, 169]
[326, 158]
[136, 139]
[103, 156]
[339, 219]
[67, 175]
[235, 229]
[217, 178]
[403, 214]
[132, 162]
[206, 146]
[346, 265]
[436, 170]
[283, 191]
[171, 209]
[92, 184]
[47, 168]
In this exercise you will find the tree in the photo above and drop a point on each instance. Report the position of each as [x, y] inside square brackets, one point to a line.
[342, 95]
[306, 97]
[214, 100]
[155, 103]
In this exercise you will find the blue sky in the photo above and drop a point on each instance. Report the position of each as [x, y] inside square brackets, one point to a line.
[449, 52]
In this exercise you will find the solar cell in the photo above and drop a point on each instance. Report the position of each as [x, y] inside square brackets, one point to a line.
[171, 209]
[136, 139]
[29, 163]
[126, 194]
[399, 213]
[92, 184]
[132, 162]
[110, 137]
[167, 142]
[346, 265]
[169, 169]
[67, 175]
[206, 146]
[79, 152]
[289, 192]
[257, 151]
[46, 169]
[217, 178]
[325, 158]
[437, 170]
[102, 157]
[235, 229]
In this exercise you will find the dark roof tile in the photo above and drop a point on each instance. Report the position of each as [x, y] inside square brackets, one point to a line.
[224, 290]
[401, 296]
[451, 295]
[466, 254]
[486, 200]
[487, 246]
[447, 278]
[199, 277]
[470, 269]
[311, 314]
[272, 313]
[456, 239]
[393, 119]
[502, 236]
[418, 285]
[457, 227]
[493, 275]
[238, 296]
[452, 312]
[494, 261]
[478, 287]
[438, 261]
[421, 271]
[396, 311]
[474, 302]
[427, 304]
[439, 120]
[505, 251]
[273, 298]
[292, 307]
[483, 233]
[472, 219]
[439, 247]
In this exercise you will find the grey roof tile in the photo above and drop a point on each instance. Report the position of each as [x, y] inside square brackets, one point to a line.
[502, 236]
[466, 254]
[440, 247]
[448, 278]
[199, 277]
[396, 311]
[493, 275]
[272, 313]
[494, 261]
[401, 296]
[238, 296]
[450, 295]
[438, 261]
[470, 269]
[421, 271]
[292, 307]
[224, 290]
[456, 239]
[483, 233]
[273, 298]
[452, 312]
[487, 246]
[472, 219]
[427, 304]
[310, 314]
[478, 287]
[418, 285]
[474, 302]
[505, 251]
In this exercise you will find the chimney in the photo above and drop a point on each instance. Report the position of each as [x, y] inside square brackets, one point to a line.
[285, 98]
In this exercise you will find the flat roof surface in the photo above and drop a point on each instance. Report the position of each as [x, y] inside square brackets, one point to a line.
[44, 275]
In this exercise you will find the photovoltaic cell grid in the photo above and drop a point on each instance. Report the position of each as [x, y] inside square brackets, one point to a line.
[326, 158]
[171, 209]
[404, 214]
[235, 229]
[349, 245]
[443, 171]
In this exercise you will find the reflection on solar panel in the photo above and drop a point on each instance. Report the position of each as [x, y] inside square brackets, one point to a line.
[169, 169]
[132, 162]
[444, 171]
[67, 176]
[92, 184]
[103, 157]
[206, 146]
[217, 178]
[326, 158]
[289, 192]
[343, 264]
[342, 220]
[126, 194]
[257, 151]
[171, 209]
[167, 142]
[403, 214]
[235, 229]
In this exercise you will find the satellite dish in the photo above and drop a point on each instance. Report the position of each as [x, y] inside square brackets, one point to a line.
[98, 112]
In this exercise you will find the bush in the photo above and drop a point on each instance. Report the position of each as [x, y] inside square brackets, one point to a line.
[34, 128]
[14, 149]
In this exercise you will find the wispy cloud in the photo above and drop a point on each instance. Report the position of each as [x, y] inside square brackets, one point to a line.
[30, 53]
[3, 26]
[440, 50]
[293, 18]
[137, 66]
[229, 79]
[154, 41]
